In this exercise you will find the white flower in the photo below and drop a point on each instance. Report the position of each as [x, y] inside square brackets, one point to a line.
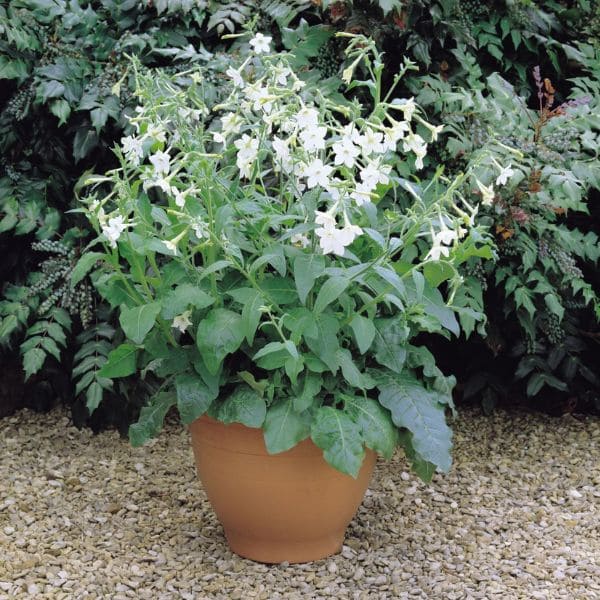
[307, 117]
[407, 106]
[113, 230]
[317, 173]
[505, 174]
[415, 143]
[179, 197]
[334, 241]
[487, 193]
[200, 229]
[324, 218]
[171, 245]
[281, 74]
[345, 152]
[375, 173]
[182, 321]
[261, 43]
[395, 133]
[435, 131]
[362, 193]
[299, 239]
[247, 146]
[282, 155]
[259, 96]
[231, 123]
[351, 133]
[157, 133]
[371, 141]
[436, 252]
[238, 80]
[133, 150]
[334, 188]
[161, 183]
[313, 138]
[161, 161]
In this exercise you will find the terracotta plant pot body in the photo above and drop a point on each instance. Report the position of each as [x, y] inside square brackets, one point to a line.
[290, 506]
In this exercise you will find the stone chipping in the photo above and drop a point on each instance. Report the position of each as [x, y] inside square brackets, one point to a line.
[87, 516]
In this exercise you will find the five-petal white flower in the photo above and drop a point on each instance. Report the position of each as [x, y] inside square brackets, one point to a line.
[261, 43]
[161, 162]
[317, 173]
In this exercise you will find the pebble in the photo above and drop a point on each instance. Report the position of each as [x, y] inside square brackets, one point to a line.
[86, 515]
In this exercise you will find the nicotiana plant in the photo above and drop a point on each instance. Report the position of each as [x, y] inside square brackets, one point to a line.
[273, 258]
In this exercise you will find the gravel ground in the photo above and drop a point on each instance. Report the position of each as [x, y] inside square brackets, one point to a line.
[86, 516]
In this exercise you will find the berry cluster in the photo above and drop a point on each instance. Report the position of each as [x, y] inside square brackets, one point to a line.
[554, 330]
[18, 106]
[519, 15]
[477, 271]
[565, 262]
[469, 12]
[561, 140]
[328, 60]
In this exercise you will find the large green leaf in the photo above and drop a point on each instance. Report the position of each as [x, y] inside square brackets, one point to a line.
[139, 320]
[251, 314]
[84, 266]
[33, 360]
[390, 343]
[284, 427]
[151, 419]
[182, 297]
[376, 426]
[325, 343]
[331, 291]
[416, 409]
[121, 362]
[311, 386]
[193, 397]
[244, 406]
[425, 470]
[307, 268]
[339, 438]
[364, 332]
[218, 335]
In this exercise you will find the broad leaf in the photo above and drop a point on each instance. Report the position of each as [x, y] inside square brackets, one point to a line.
[331, 290]
[244, 406]
[251, 315]
[284, 427]
[377, 428]
[182, 298]
[193, 397]
[390, 343]
[425, 470]
[364, 332]
[151, 419]
[307, 268]
[416, 409]
[325, 343]
[339, 438]
[84, 266]
[138, 321]
[218, 335]
[311, 386]
[121, 362]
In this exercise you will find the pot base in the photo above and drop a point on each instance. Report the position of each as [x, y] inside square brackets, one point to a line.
[272, 551]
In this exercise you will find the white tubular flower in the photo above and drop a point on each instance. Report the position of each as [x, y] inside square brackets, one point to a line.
[182, 321]
[351, 133]
[161, 183]
[113, 230]
[157, 133]
[307, 118]
[362, 193]
[161, 162]
[299, 239]
[371, 142]
[334, 241]
[132, 149]
[406, 105]
[200, 229]
[345, 152]
[505, 174]
[231, 123]
[487, 193]
[179, 197]
[283, 158]
[333, 189]
[394, 134]
[375, 173]
[313, 138]
[317, 174]
[325, 218]
[247, 146]
[236, 77]
[171, 245]
[281, 74]
[261, 43]
[416, 144]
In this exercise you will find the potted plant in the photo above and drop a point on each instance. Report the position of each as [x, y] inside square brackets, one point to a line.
[272, 265]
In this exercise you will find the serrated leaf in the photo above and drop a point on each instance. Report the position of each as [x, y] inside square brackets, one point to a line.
[120, 363]
[151, 419]
[243, 406]
[194, 397]
[416, 409]
[33, 361]
[139, 320]
[182, 297]
[284, 427]
[339, 437]
[93, 396]
[377, 428]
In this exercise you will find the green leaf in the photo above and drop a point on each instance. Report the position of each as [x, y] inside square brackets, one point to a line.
[307, 269]
[425, 470]
[151, 419]
[377, 428]
[331, 290]
[219, 334]
[181, 298]
[416, 409]
[244, 406]
[339, 437]
[251, 314]
[84, 266]
[83, 142]
[33, 360]
[121, 362]
[554, 305]
[93, 396]
[280, 290]
[391, 336]
[194, 397]
[364, 332]
[350, 371]
[51, 89]
[139, 320]
[324, 343]
[61, 109]
[284, 427]
[310, 389]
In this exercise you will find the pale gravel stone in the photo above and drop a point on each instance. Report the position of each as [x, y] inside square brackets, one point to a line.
[85, 516]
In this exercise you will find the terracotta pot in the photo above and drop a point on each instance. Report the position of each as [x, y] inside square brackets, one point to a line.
[290, 506]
